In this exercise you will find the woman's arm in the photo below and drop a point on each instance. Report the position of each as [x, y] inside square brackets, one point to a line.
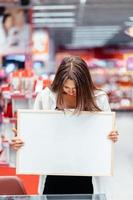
[103, 103]
[42, 101]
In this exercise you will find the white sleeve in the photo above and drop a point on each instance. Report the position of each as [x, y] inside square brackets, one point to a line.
[42, 100]
[103, 103]
[38, 102]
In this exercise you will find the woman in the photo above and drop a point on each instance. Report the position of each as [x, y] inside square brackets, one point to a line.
[72, 88]
[6, 25]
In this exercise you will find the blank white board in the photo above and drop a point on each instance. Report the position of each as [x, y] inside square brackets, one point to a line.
[58, 143]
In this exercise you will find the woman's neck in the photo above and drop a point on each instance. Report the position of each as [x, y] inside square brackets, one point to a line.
[69, 102]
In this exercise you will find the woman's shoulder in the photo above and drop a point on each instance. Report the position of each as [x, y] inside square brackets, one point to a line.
[46, 91]
[99, 93]
[45, 99]
[102, 100]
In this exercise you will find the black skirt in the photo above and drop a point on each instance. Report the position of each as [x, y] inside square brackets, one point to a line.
[68, 185]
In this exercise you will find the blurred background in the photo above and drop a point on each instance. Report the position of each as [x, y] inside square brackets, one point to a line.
[36, 34]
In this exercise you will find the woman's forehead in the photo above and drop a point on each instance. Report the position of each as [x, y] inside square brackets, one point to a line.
[69, 82]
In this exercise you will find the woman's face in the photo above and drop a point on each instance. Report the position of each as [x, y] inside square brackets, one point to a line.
[9, 22]
[69, 87]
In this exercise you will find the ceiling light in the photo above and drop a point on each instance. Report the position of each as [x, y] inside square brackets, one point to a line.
[129, 31]
[97, 28]
[53, 14]
[54, 25]
[131, 18]
[82, 1]
[86, 44]
[129, 23]
[54, 7]
[53, 20]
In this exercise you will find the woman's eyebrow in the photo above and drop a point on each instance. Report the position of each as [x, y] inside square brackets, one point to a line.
[68, 86]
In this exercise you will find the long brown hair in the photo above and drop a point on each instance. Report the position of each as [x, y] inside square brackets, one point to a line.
[76, 69]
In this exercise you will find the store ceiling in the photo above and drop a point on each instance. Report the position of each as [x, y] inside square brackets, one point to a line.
[85, 23]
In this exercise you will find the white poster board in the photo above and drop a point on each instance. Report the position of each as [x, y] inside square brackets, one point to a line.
[58, 143]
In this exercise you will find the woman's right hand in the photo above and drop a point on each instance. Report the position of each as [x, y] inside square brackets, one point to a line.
[16, 142]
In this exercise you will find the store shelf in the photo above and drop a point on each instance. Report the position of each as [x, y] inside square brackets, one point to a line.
[7, 120]
[123, 108]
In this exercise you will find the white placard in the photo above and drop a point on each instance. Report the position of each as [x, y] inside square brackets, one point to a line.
[58, 143]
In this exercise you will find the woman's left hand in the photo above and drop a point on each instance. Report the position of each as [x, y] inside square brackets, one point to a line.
[113, 136]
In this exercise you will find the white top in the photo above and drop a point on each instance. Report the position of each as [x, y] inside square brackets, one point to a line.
[46, 100]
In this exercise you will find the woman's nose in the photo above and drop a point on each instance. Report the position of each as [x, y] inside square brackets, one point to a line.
[71, 90]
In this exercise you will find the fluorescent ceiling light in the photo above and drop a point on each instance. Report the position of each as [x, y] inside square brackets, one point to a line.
[129, 23]
[82, 1]
[129, 31]
[93, 38]
[59, 25]
[86, 45]
[53, 20]
[131, 18]
[92, 28]
[53, 14]
[96, 36]
[95, 33]
[90, 37]
[54, 7]
[97, 30]
[91, 41]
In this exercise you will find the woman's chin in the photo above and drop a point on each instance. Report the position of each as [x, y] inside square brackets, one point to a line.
[72, 95]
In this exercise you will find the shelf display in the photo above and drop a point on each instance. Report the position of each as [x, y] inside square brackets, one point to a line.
[15, 31]
[118, 85]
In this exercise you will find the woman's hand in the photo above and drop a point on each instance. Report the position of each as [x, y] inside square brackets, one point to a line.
[16, 142]
[113, 136]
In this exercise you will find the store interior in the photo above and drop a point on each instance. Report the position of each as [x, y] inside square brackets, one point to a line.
[38, 35]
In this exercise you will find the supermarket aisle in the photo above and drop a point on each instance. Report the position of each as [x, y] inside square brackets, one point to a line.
[124, 158]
